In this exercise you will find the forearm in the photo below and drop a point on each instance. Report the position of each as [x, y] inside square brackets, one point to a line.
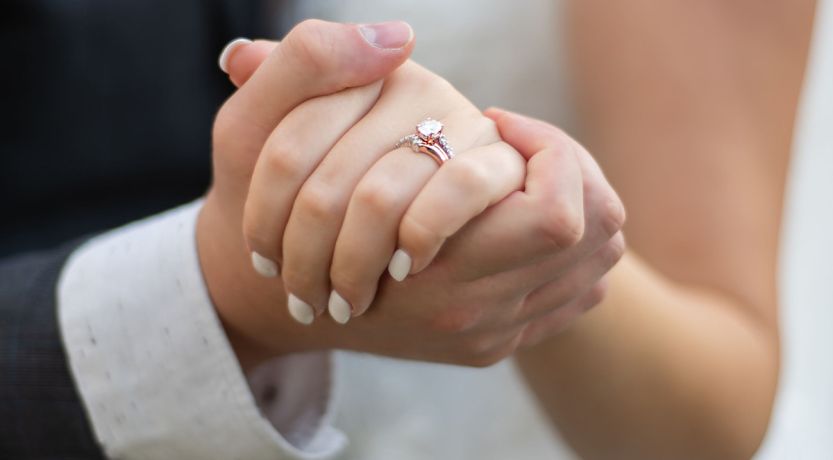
[681, 359]
[658, 370]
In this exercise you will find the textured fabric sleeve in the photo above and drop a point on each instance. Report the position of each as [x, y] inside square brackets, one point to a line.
[41, 414]
[154, 368]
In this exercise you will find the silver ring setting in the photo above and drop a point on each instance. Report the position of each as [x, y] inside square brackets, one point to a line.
[430, 140]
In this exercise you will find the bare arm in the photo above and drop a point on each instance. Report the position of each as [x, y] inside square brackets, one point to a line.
[689, 107]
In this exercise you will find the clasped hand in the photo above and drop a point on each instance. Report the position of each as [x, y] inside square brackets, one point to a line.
[311, 205]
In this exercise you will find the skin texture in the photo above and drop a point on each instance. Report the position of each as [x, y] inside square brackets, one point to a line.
[333, 222]
[689, 107]
[540, 250]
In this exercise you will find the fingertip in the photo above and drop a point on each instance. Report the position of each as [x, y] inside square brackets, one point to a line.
[391, 35]
[264, 266]
[514, 129]
[618, 213]
[362, 53]
[339, 308]
[495, 113]
[229, 50]
[529, 135]
[245, 59]
[400, 265]
[300, 311]
[391, 44]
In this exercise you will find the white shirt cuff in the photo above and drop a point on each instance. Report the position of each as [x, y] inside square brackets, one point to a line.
[155, 370]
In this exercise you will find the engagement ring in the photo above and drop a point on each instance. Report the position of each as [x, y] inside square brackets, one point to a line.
[429, 139]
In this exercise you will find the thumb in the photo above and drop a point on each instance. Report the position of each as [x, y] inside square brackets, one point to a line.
[316, 58]
[536, 140]
[553, 168]
[528, 135]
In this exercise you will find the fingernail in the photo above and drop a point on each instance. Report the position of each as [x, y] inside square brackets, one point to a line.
[300, 310]
[400, 265]
[340, 309]
[222, 61]
[263, 266]
[387, 35]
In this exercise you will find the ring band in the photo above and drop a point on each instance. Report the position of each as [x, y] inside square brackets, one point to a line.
[430, 140]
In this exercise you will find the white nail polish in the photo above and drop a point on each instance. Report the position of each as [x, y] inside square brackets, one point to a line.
[265, 267]
[400, 265]
[339, 308]
[300, 310]
[222, 61]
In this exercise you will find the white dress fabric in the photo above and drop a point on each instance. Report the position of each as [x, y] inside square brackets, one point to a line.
[802, 425]
[505, 53]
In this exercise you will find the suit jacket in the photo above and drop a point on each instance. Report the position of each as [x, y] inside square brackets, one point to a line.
[106, 117]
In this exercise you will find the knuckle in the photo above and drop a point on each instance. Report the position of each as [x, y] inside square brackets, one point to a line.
[562, 223]
[308, 26]
[613, 251]
[414, 77]
[486, 131]
[562, 141]
[377, 197]
[557, 140]
[237, 135]
[317, 202]
[613, 215]
[439, 85]
[281, 157]
[431, 81]
[471, 175]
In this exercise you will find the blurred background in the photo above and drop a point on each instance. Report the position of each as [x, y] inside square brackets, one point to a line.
[505, 54]
[97, 90]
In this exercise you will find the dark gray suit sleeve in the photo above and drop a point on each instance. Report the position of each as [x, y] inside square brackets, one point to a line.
[41, 413]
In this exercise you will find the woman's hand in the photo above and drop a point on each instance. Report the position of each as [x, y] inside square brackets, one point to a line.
[505, 273]
[331, 201]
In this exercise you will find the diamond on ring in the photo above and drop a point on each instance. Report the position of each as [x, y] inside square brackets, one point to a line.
[429, 139]
[429, 130]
